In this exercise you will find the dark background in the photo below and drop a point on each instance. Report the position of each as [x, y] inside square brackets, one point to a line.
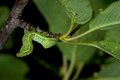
[51, 56]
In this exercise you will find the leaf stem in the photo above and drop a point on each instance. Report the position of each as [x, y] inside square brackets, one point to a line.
[85, 33]
[81, 43]
[70, 29]
[65, 66]
[68, 32]
[79, 36]
[77, 73]
[72, 65]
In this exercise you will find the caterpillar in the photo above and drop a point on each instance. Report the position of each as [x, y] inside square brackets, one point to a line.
[46, 39]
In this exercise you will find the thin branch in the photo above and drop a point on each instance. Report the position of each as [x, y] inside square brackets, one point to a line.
[72, 65]
[18, 8]
[70, 29]
[65, 65]
[12, 21]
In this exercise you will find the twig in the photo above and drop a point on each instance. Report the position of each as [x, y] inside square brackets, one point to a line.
[12, 21]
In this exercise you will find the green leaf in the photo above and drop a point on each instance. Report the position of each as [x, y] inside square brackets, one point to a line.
[55, 15]
[12, 68]
[80, 11]
[4, 12]
[106, 74]
[85, 53]
[82, 54]
[107, 19]
[110, 16]
[58, 21]
[110, 47]
[115, 78]
[110, 43]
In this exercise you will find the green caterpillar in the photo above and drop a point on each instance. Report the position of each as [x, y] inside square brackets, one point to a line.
[47, 40]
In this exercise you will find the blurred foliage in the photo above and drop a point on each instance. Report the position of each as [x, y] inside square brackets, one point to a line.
[4, 12]
[80, 12]
[11, 68]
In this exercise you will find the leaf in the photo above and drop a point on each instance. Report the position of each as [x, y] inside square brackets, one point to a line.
[110, 47]
[115, 78]
[82, 54]
[12, 68]
[58, 20]
[85, 53]
[80, 11]
[107, 19]
[110, 16]
[106, 74]
[55, 15]
[110, 43]
[4, 12]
